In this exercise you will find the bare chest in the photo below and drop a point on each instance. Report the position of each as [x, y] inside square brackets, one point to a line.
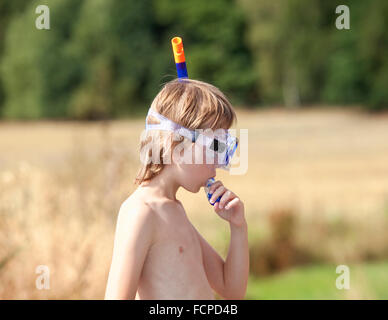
[174, 266]
[176, 242]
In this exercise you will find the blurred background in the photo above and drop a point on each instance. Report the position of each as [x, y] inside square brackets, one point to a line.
[73, 100]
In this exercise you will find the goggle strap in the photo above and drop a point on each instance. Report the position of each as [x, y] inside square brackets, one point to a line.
[169, 125]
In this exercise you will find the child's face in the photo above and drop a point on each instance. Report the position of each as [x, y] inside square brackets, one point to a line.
[195, 175]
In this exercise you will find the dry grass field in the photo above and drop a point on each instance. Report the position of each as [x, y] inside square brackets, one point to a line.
[62, 183]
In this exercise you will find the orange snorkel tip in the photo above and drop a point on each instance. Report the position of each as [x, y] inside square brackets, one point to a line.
[177, 48]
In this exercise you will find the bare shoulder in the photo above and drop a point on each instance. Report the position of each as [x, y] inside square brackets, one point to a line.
[135, 206]
[135, 214]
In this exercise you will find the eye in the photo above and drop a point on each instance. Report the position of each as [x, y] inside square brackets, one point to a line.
[217, 146]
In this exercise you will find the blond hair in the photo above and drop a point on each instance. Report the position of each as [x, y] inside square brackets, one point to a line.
[191, 103]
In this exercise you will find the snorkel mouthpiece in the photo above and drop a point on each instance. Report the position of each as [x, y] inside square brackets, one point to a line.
[208, 194]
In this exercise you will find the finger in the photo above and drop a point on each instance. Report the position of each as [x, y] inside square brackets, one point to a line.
[217, 193]
[226, 197]
[215, 185]
[217, 209]
[232, 203]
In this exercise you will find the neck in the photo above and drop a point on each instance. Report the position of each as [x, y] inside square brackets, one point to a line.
[163, 185]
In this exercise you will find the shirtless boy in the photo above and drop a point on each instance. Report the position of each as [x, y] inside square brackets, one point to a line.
[158, 253]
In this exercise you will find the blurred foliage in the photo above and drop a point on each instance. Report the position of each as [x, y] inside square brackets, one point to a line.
[300, 57]
[368, 281]
[8, 9]
[103, 58]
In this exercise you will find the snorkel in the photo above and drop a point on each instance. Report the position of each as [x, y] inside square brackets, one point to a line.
[179, 57]
[181, 69]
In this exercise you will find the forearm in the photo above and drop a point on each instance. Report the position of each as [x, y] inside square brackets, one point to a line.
[236, 266]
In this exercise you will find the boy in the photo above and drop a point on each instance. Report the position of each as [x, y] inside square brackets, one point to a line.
[158, 253]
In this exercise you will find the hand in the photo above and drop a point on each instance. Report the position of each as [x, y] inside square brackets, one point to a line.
[230, 207]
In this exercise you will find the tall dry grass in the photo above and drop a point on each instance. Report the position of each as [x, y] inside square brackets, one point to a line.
[63, 216]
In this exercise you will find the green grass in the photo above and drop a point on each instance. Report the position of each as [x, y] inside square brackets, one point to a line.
[367, 281]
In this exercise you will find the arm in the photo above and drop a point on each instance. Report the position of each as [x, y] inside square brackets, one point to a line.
[228, 278]
[133, 238]
[236, 268]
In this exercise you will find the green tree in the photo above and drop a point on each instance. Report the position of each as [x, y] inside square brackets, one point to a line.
[92, 63]
[289, 43]
[213, 33]
[372, 47]
[300, 57]
[8, 9]
[36, 69]
[114, 46]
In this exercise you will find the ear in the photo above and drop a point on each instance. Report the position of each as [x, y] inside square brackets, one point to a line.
[178, 150]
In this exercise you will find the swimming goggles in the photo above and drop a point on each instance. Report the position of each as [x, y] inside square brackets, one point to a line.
[220, 143]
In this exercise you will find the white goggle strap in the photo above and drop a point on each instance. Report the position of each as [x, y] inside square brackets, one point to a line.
[168, 125]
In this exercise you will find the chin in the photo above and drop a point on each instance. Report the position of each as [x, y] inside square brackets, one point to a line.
[193, 188]
[199, 187]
